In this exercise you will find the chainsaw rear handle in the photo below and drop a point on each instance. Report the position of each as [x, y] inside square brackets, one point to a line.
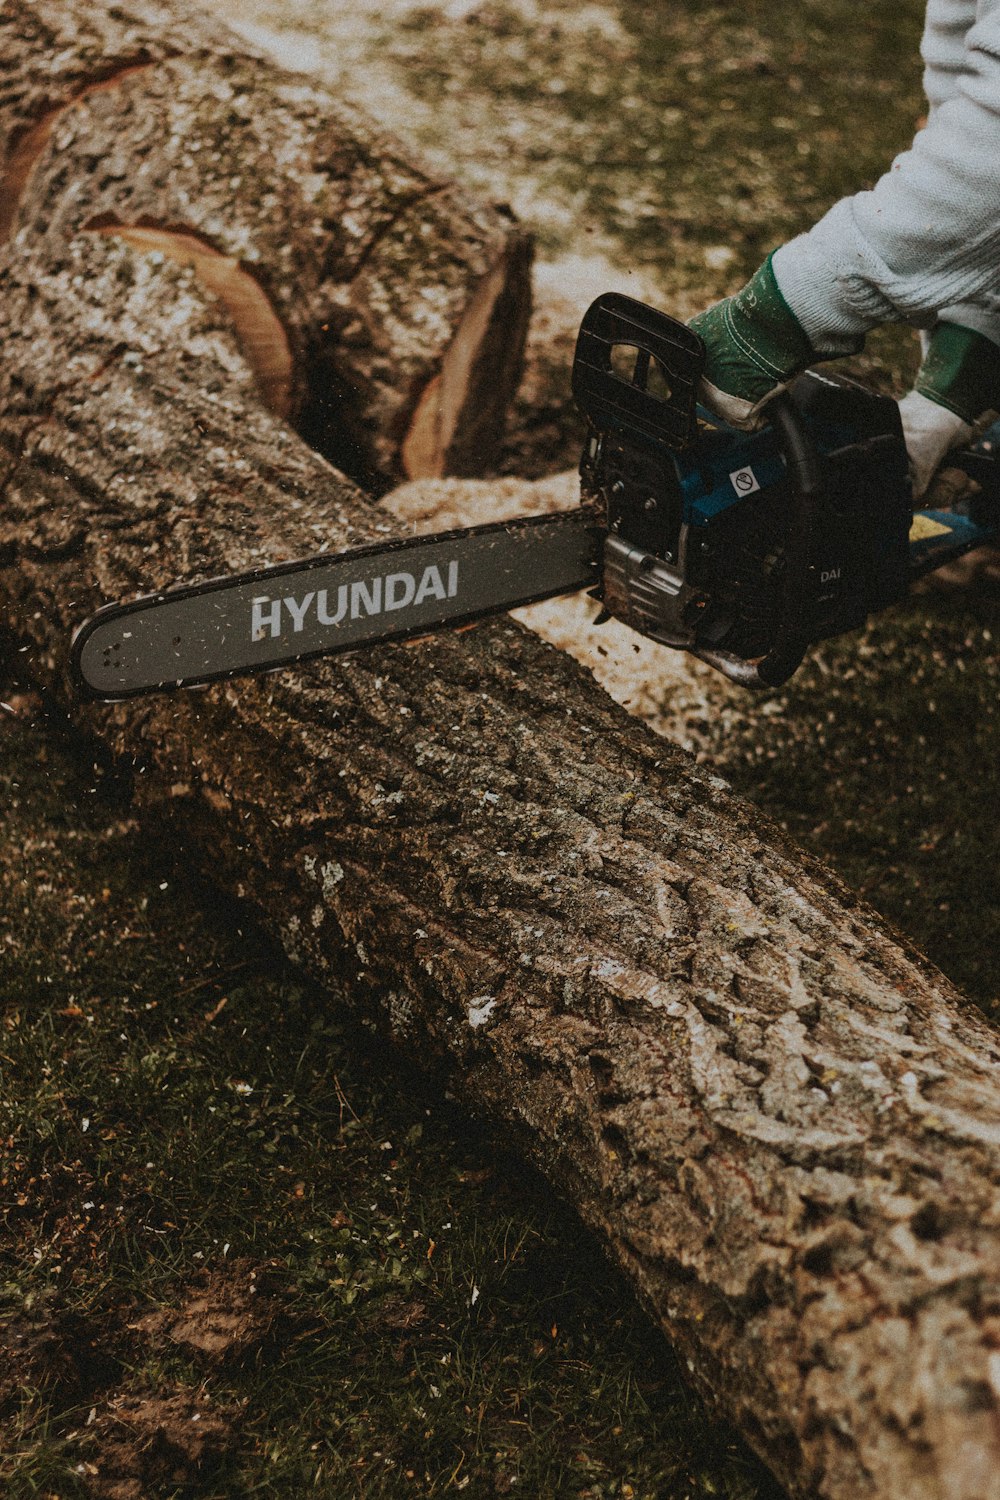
[791, 642]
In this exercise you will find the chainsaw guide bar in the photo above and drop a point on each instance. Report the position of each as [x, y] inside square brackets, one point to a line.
[389, 591]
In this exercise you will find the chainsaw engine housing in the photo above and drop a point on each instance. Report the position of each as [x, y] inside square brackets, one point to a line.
[701, 516]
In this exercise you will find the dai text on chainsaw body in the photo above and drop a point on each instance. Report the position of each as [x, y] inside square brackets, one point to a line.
[741, 548]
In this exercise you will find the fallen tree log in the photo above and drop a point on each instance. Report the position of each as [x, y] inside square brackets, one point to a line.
[382, 311]
[784, 1125]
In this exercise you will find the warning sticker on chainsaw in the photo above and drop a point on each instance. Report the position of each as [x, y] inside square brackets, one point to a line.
[923, 527]
[744, 481]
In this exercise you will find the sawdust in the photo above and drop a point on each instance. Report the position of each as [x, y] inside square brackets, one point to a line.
[664, 687]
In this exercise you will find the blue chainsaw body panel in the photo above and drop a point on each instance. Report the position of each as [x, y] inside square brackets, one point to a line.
[729, 467]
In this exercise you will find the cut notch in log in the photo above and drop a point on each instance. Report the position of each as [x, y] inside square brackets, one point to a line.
[446, 434]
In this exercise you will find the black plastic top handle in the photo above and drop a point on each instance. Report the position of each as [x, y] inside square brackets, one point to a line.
[658, 395]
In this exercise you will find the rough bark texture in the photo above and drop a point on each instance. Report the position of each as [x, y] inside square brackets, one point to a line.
[783, 1124]
[404, 304]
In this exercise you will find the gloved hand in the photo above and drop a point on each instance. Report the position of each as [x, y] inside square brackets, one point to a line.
[957, 387]
[755, 345]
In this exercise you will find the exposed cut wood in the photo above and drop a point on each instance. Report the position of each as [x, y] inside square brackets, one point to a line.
[454, 424]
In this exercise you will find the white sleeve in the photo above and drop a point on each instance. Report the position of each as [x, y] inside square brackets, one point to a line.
[946, 26]
[926, 239]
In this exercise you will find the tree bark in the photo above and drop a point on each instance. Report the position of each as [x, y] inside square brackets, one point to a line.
[784, 1125]
[384, 313]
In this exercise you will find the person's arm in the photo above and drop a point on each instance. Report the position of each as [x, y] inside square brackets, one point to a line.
[946, 26]
[926, 238]
[923, 246]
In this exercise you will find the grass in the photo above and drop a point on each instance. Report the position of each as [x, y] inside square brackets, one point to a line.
[691, 138]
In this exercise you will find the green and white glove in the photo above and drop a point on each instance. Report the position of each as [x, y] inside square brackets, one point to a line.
[755, 345]
[956, 390]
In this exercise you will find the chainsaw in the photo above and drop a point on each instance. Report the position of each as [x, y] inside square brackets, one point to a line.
[742, 548]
